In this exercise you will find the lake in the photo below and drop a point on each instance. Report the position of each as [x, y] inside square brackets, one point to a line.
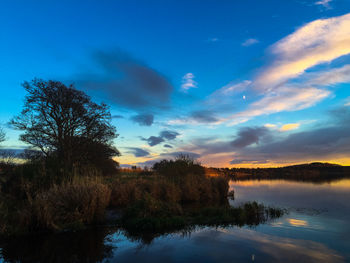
[316, 229]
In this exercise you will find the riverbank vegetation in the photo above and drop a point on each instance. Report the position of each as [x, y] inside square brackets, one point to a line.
[153, 203]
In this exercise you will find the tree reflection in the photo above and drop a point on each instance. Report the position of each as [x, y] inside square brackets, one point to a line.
[81, 246]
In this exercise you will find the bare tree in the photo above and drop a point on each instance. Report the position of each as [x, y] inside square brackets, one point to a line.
[62, 122]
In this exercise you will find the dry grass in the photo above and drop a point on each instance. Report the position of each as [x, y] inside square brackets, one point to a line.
[187, 189]
[127, 192]
[80, 202]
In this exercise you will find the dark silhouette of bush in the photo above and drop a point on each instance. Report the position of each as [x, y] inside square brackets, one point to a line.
[183, 165]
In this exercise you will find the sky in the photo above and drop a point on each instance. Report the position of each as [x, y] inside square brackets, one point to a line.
[237, 83]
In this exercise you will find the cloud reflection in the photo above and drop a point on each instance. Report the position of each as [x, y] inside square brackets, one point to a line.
[297, 222]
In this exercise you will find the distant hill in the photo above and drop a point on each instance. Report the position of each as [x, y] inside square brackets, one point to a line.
[315, 172]
[313, 165]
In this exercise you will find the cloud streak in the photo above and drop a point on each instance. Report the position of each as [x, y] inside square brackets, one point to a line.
[310, 90]
[289, 127]
[330, 77]
[138, 152]
[203, 116]
[324, 3]
[224, 94]
[188, 82]
[319, 41]
[249, 42]
[248, 136]
[288, 98]
[153, 140]
[143, 119]
[245, 137]
[126, 81]
[163, 136]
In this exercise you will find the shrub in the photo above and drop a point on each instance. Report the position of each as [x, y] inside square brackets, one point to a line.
[124, 193]
[151, 214]
[128, 192]
[188, 189]
[71, 204]
[190, 180]
[183, 165]
[15, 216]
[165, 190]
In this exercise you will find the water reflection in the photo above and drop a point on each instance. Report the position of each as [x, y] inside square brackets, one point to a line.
[267, 248]
[315, 230]
[304, 197]
[202, 245]
[318, 212]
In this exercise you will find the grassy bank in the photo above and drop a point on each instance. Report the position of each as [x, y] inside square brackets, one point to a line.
[69, 205]
[177, 195]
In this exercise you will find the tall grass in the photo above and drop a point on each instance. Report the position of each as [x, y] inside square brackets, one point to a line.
[82, 201]
[188, 189]
[15, 216]
[69, 205]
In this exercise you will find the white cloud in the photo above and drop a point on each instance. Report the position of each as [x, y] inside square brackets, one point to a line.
[320, 41]
[250, 41]
[188, 82]
[193, 121]
[288, 98]
[330, 77]
[227, 91]
[324, 3]
[292, 97]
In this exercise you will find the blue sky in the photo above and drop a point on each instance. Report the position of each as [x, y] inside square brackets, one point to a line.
[233, 83]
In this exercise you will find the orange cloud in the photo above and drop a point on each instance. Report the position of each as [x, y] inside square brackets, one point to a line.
[290, 126]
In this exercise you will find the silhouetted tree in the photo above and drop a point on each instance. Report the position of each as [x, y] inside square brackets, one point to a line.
[65, 125]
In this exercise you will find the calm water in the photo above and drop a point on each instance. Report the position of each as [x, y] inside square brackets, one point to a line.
[316, 229]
